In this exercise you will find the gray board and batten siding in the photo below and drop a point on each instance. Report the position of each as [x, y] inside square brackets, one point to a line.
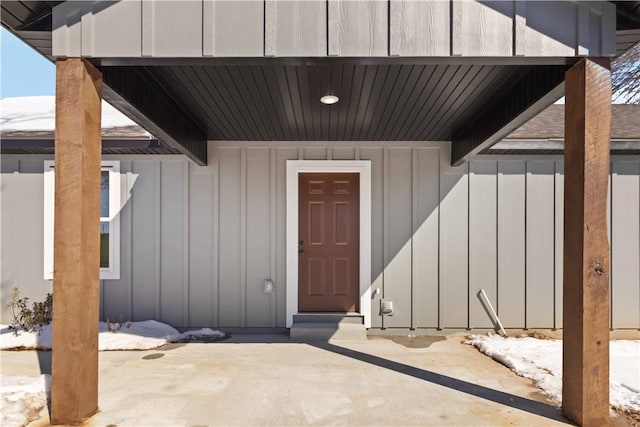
[206, 29]
[197, 242]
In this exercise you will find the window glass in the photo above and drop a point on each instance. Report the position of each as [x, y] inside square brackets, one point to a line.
[104, 244]
[104, 194]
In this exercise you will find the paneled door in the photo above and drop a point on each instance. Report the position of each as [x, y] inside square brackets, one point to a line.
[328, 242]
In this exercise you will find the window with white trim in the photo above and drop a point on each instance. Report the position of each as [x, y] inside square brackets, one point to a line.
[110, 203]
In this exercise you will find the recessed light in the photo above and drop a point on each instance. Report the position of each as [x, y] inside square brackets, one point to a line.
[329, 99]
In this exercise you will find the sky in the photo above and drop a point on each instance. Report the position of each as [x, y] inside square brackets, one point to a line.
[23, 71]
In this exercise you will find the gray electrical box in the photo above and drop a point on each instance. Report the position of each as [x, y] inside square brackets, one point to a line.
[386, 308]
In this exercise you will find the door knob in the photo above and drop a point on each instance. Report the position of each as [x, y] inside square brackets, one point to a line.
[301, 251]
[301, 242]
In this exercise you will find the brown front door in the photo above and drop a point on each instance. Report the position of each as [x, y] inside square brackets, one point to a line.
[328, 241]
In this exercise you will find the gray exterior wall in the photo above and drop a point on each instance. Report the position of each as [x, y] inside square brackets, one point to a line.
[348, 28]
[196, 242]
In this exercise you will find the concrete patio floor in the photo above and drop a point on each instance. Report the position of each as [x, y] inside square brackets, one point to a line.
[268, 380]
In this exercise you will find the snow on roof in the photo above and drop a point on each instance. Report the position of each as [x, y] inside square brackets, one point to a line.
[35, 116]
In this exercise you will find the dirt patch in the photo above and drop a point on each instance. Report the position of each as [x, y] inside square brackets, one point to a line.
[412, 341]
[539, 396]
[170, 346]
[540, 335]
[632, 417]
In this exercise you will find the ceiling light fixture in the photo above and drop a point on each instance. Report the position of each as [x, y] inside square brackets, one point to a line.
[329, 99]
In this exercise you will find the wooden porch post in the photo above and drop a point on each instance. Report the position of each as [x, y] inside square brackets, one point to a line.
[74, 387]
[585, 360]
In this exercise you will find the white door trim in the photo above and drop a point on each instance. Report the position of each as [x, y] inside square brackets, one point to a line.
[362, 167]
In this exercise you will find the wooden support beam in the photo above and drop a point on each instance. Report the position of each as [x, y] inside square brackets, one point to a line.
[585, 360]
[74, 371]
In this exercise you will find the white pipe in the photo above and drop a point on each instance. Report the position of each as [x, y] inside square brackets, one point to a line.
[493, 312]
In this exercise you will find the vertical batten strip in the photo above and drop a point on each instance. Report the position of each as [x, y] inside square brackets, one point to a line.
[243, 237]
[520, 28]
[608, 29]
[611, 240]
[270, 22]
[559, 233]
[126, 235]
[582, 46]
[526, 237]
[273, 220]
[555, 245]
[459, 25]
[148, 23]
[215, 243]
[208, 28]
[333, 27]
[385, 219]
[87, 29]
[414, 224]
[442, 159]
[469, 170]
[396, 14]
[387, 29]
[185, 251]
[11, 197]
[157, 181]
[498, 238]
[264, 27]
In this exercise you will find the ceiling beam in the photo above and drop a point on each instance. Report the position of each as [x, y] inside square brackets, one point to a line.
[138, 96]
[516, 104]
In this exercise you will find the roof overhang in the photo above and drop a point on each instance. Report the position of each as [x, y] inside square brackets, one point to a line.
[472, 101]
[45, 145]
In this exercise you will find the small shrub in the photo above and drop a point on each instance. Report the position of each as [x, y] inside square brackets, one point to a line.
[117, 324]
[29, 319]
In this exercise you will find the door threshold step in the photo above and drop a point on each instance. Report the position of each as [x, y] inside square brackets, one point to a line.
[324, 331]
[353, 318]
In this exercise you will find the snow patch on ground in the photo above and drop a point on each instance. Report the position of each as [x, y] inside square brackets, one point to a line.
[541, 361]
[139, 336]
[143, 335]
[22, 398]
[205, 333]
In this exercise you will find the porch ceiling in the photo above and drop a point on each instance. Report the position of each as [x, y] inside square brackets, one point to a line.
[377, 102]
